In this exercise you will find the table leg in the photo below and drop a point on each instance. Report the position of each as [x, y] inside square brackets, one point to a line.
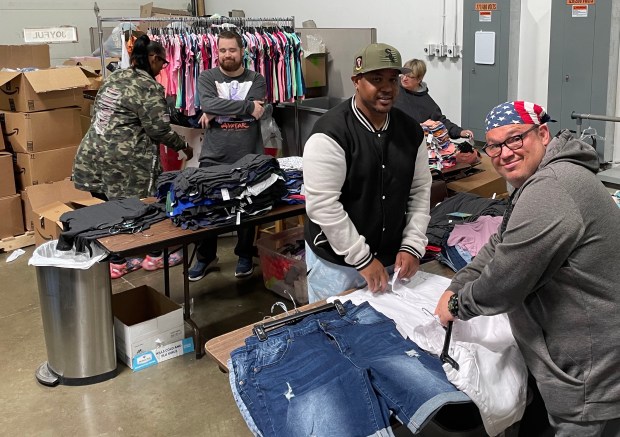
[166, 273]
[198, 344]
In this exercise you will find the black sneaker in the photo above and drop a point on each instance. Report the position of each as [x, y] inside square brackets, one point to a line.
[245, 267]
[200, 269]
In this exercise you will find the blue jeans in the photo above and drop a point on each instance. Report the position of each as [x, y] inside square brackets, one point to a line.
[327, 279]
[329, 375]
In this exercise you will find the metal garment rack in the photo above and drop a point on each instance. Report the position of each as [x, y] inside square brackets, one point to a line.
[206, 21]
[581, 117]
[611, 175]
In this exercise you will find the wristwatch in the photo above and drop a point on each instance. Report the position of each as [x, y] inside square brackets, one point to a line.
[453, 305]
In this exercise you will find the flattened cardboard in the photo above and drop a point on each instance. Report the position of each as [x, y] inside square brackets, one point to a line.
[46, 130]
[23, 56]
[41, 90]
[12, 222]
[84, 124]
[42, 167]
[144, 319]
[7, 176]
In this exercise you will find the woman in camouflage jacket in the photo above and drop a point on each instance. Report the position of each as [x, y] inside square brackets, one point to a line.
[119, 155]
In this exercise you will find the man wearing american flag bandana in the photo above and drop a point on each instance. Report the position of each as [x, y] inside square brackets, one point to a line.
[553, 268]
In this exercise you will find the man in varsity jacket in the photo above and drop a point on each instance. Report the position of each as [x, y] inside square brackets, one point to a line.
[367, 184]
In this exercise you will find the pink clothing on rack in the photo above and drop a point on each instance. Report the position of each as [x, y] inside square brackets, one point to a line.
[190, 81]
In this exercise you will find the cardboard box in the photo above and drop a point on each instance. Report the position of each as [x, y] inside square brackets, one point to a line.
[84, 124]
[46, 130]
[90, 63]
[314, 68]
[12, 222]
[41, 167]
[484, 183]
[88, 103]
[7, 175]
[148, 10]
[144, 320]
[44, 200]
[41, 90]
[22, 56]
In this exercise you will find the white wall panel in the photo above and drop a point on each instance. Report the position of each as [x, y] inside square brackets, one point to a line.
[17, 15]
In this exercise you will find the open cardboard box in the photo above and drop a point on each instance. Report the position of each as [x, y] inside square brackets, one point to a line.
[148, 327]
[45, 203]
[42, 89]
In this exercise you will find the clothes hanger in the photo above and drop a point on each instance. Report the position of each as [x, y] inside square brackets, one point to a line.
[261, 329]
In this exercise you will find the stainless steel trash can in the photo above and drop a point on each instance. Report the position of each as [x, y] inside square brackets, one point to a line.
[78, 325]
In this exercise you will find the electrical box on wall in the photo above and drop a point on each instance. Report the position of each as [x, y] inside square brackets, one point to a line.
[490, 56]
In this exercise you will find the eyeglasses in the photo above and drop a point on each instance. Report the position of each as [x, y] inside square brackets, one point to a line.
[163, 60]
[513, 143]
[408, 76]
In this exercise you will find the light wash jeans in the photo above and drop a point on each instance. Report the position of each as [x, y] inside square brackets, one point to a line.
[326, 279]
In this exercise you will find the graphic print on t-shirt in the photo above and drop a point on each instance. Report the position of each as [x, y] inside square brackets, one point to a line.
[233, 90]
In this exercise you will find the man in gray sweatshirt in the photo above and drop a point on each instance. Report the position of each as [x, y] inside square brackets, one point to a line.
[231, 98]
[554, 267]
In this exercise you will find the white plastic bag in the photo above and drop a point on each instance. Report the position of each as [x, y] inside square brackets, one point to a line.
[46, 255]
[272, 137]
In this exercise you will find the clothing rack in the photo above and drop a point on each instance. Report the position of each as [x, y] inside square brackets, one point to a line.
[207, 21]
[581, 117]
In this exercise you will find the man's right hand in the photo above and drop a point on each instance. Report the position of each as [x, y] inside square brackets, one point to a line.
[376, 276]
[259, 110]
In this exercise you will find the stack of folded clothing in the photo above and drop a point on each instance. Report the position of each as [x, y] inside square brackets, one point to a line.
[441, 152]
[293, 169]
[222, 194]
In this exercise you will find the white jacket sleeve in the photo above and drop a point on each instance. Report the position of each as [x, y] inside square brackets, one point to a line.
[324, 167]
[418, 206]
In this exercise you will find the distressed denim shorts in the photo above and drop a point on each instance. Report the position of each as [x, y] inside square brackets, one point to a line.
[329, 375]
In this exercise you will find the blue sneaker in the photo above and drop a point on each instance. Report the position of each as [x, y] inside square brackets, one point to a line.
[200, 269]
[245, 267]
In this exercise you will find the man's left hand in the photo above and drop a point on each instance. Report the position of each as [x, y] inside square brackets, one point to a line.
[407, 263]
[441, 310]
[466, 133]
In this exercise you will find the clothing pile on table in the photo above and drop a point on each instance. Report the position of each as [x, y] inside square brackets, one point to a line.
[222, 194]
[441, 152]
[293, 169]
[461, 225]
[328, 374]
[125, 216]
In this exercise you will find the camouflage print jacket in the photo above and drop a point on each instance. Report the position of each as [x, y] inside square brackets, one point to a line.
[119, 155]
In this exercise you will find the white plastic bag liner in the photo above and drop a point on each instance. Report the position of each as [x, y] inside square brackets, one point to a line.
[46, 255]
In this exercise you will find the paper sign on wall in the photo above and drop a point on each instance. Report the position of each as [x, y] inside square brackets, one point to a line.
[484, 48]
[580, 11]
[485, 16]
[51, 34]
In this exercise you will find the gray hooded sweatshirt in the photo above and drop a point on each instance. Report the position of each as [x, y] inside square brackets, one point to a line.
[554, 267]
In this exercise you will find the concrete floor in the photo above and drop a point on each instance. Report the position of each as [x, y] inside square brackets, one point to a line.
[179, 397]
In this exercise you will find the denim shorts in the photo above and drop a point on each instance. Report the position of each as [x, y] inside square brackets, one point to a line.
[329, 375]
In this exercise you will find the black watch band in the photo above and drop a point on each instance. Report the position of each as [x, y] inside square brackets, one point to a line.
[453, 305]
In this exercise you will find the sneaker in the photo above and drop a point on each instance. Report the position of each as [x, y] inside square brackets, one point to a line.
[200, 269]
[245, 267]
[151, 263]
[118, 270]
